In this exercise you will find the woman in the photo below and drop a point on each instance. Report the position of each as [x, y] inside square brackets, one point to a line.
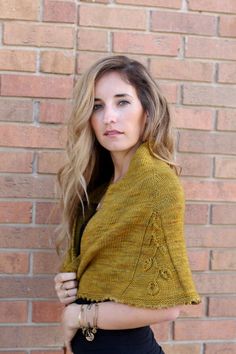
[126, 265]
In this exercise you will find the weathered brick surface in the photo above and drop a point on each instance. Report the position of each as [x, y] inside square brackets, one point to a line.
[36, 86]
[183, 23]
[190, 48]
[57, 62]
[175, 4]
[59, 11]
[38, 35]
[19, 9]
[16, 60]
[13, 311]
[140, 43]
[16, 110]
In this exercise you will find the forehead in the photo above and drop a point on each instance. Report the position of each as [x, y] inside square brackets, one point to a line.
[113, 83]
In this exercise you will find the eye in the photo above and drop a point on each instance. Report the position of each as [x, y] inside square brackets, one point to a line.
[123, 102]
[96, 107]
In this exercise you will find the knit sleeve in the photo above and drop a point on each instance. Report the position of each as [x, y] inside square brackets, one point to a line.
[162, 276]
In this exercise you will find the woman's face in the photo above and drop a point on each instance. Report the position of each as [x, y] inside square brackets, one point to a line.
[118, 118]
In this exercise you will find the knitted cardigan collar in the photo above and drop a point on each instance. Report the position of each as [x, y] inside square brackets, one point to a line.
[133, 250]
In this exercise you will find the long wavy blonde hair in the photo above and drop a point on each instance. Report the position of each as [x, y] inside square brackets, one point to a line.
[86, 159]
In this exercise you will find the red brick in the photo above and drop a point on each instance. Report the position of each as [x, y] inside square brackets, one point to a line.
[213, 5]
[46, 263]
[17, 60]
[221, 96]
[16, 161]
[57, 62]
[195, 165]
[210, 236]
[100, 16]
[220, 348]
[33, 136]
[215, 283]
[174, 4]
[38, 35]
[13, 352]
[11, 312]
[170, 91]
[16, 111]
[183, 23]
[47, 213]
[30, 336]
[210, 143]
[59, 11]
[224, 214]
[141, 43]
[161, 331]
[225, 167]
[54, 111]
[210, 190]
[47, 351]
[226, 120]
[90, 39]
[36, 86]
[96, 1]
[222, 307]
[227, 73]
[215, 48]
[204, 329]
[223, 259]
[50, 162]
[196, 214]
[27, 287]
[27, 187]
[181, 70]
[86, 59]
[19, 9]
[181, 348]
[227, 26]
[14, 262]
[194, 311]
[199, 260]
[192, 118]
[16, 212]
[46, 311]
[30, 237]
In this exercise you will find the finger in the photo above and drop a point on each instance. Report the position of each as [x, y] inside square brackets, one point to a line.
[68, 300]
[67, 296]
[61, 277]
[59, 286]
[70, 284]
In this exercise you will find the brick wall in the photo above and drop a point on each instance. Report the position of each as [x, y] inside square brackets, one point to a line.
[190, 47]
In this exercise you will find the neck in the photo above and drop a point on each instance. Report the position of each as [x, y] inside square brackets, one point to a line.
[121, 161]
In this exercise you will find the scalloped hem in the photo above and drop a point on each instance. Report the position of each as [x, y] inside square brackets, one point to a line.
[187, 300]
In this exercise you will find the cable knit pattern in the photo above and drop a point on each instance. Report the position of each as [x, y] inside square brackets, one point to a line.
[133, 249]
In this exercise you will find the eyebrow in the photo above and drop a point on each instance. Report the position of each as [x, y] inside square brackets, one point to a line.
[117, 95]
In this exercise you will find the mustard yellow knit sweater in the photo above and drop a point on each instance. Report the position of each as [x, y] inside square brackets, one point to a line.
[133, 249]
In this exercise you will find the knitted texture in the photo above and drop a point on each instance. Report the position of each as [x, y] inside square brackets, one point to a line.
[133, 249]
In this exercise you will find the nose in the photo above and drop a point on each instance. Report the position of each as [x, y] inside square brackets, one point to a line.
[109, 115]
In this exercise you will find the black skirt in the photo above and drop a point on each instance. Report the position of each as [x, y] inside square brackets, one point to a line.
[129, 341]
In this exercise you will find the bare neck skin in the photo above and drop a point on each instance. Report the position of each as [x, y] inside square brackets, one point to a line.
[121, 161]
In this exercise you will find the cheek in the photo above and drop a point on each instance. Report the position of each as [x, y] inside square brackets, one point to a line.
[94, 124]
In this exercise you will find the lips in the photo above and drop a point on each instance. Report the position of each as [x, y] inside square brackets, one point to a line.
[112, 132]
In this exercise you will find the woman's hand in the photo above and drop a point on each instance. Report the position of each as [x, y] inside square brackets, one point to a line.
[70, 323]
[66, 287]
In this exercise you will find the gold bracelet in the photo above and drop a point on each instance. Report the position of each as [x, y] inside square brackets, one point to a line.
[88, 331]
